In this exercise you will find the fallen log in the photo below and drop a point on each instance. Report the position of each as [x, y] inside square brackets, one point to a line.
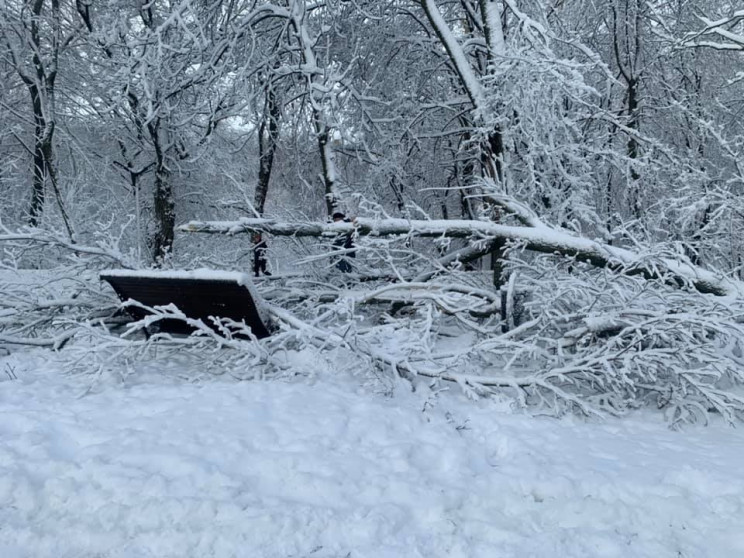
[539, 238]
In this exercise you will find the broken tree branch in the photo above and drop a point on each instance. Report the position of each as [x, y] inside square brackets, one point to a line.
[538, 237]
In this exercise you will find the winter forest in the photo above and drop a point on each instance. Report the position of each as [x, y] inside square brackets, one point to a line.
[495, 249]
[545, 198]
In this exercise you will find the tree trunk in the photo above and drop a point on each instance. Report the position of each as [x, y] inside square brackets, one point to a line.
[41, 88]
[165, 216]
[268, 137]
[164, 203]
[42, 150]
[326, 157]
[627, 45]
[634, 192]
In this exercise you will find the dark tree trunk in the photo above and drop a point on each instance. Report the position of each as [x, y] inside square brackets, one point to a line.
[42, 150]
[43, 159]
[165, 216]
[634, 149]
[495, 155]
[268, 137]
[40, 85]
[163, 201]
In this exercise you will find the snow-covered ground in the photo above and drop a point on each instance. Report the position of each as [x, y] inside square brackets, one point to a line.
[160, 466]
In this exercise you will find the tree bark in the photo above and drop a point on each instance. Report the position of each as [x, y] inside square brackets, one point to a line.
[268, 138]
[41, 89]
[326, 156]
[43, 151]
[627, 47]
[163, 201]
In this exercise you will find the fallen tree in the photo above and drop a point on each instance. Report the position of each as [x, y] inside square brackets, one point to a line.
[580, 337]
[484, 236]
[593, 342]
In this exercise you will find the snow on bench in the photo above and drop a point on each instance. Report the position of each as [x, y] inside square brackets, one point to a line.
[199, 294]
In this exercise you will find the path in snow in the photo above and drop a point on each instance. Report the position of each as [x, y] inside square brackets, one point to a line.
[320, 470]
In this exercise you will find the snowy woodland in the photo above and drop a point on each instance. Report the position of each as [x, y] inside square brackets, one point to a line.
[546, 196]
[546, 203]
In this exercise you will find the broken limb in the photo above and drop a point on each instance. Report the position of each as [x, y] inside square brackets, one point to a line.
[44, 238]
[538, 238]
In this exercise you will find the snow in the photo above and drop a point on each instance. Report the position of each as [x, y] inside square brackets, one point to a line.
[493, 25]
[159, 461]
[199, 274]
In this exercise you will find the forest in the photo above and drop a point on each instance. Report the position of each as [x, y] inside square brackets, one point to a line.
[544, 197]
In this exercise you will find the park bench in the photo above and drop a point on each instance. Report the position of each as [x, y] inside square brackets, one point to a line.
[199, 294]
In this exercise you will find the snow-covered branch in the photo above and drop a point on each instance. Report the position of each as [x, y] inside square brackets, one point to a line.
[470, 81]
[538, 238]
[587, 341]
[721, 31]
[40, 237]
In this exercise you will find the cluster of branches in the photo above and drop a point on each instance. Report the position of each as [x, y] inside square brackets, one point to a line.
[49, 285]
[568, 337]
[606, 330]
[605, 132]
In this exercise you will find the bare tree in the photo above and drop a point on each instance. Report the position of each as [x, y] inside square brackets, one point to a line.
[36, 34]
[169, 89]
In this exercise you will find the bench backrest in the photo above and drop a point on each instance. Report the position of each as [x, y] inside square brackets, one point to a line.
[197, 297]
